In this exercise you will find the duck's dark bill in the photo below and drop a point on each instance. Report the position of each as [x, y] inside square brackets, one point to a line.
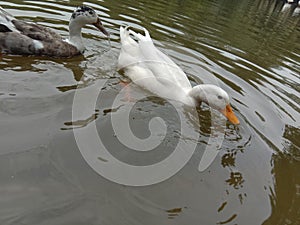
[99, 25]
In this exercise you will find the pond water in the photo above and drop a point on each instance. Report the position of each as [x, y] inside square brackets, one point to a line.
[249, 48]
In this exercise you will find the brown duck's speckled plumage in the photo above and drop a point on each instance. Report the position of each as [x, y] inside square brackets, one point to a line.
[24, 38]
[22, 43]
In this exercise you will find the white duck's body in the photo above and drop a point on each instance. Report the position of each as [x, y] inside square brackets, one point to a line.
[24, 38]
[151, 69]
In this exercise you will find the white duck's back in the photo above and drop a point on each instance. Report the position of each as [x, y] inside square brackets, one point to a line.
[148, 67]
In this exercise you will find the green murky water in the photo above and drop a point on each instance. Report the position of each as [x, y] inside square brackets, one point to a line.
[249, 48]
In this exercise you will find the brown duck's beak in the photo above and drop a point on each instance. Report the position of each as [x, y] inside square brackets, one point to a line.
[230, 115]
[99, 25]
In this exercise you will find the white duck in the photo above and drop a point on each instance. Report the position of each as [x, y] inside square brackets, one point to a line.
[24, 38]
[151, 69]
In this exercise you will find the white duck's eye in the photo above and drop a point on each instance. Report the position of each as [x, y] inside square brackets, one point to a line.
[220, 97]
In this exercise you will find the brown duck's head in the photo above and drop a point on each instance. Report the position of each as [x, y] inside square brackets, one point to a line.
[83, 15]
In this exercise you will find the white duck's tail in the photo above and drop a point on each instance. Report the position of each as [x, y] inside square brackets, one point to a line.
[125, 34]
[132, 51]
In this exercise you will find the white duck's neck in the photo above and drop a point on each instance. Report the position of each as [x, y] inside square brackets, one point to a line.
[75, 37]
[191, 96]
[199, 93]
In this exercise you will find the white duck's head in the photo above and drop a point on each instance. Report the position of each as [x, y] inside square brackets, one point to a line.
[216, 98]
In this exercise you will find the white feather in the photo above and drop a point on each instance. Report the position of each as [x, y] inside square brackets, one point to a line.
[38, 44]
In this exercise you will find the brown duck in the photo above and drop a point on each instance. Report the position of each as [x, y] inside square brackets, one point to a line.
[24, 38]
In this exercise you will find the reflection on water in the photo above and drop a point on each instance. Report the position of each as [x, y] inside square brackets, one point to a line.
[250, 48]
[285, 196]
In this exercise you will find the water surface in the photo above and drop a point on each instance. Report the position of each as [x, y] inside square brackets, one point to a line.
[249, 48]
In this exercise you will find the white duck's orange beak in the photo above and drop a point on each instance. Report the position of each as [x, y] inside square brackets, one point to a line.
[230, 115]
